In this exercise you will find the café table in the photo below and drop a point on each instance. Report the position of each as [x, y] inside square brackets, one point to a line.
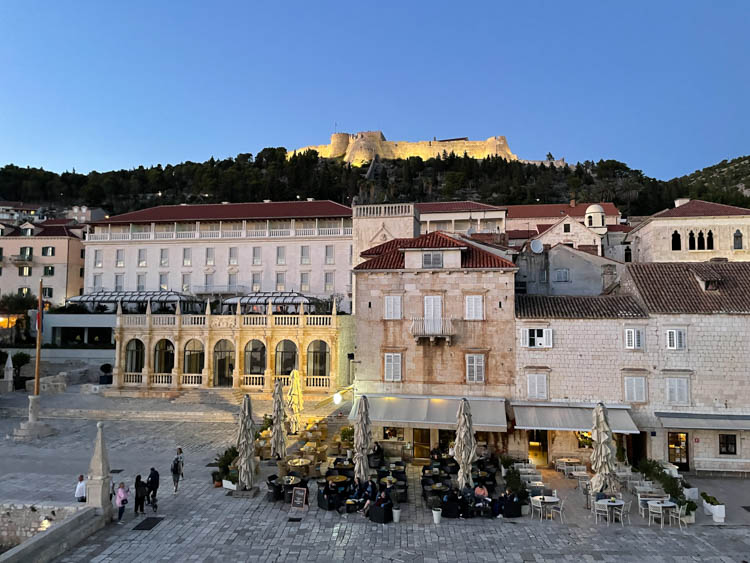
[581, 477]
[611, 505]
[569, 460]
[643, 489]
[389, 479]
[664, 506]
[438, 488]
[290, 480]
[337, 478]
[523, 470]
[344, 466]
[298, 462]
[546, 501]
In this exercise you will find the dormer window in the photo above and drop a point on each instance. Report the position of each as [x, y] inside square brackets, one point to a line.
[432, 259]
[28, 231]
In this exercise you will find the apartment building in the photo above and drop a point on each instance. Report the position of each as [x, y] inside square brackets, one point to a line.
[52, 252]
[225, 249]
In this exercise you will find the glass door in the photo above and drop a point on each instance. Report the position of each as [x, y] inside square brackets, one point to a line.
[677, 442]
[422, 442]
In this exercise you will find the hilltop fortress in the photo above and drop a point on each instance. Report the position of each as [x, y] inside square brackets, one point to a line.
[364, 146]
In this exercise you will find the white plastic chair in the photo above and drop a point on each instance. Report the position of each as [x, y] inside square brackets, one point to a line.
[601, 510]
[622, 512]
[654, 513]
[678, 515]
[537, 505]
[557, 508]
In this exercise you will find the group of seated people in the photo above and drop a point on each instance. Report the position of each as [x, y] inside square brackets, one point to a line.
[469, 503]
[365, 495]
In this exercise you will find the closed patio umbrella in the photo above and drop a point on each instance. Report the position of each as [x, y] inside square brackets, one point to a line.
[362, 440]
[246, 446]
[295, 401]
[465, 448]
[603, 456]
[278, 432]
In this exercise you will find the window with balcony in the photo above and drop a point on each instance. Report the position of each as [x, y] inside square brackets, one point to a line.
[536, 385]
[187, 256]
[304, 255]
[256, 256]
[210, 257]
[163, 281]
[49, 270]
[47, 292]
[119, 282]
[48, 251]
[256, 281]
[304, 281]
[27, 252]
[280, 255]
[432, 259]
[98, 259]
[329, 254]
[234, 256]
[142, 263]
[119, 258]
[392, 367]
[280, 281]
[328, 281]
[474, 308]
[474, 368]
[24, 271]
[392, 307]
[140, 282]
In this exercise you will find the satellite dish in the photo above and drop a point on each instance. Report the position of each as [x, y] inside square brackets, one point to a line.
[536, 246]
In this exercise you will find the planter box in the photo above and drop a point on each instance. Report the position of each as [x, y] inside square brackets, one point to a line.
[716, 511]
[691, 494]
[525, 509]
[228, 485]
[689, 518]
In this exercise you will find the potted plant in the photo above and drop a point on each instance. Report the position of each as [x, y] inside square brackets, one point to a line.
[690, 492]
[712, 507]
[396, 512]
[515, 484]
[437, 509]
[216, 477]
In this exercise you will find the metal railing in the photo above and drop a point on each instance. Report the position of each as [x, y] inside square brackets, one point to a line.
[231, 234]
[432, 327]
[237, 288]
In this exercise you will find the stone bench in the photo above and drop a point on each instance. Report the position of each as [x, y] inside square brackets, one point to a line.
[721, 465]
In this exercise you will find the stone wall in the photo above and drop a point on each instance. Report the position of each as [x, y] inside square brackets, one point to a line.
[19, 522]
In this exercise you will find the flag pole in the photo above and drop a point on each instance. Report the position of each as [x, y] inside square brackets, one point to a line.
[38, 339]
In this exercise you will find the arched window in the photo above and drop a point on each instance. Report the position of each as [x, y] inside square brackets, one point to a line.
[628, 254]
[163, 356]
[223, 363]
[676, 241]
[318, 358]
[134, 356]
[255, 357]
[286, 357]
[194, 357]
[701, 241]
[737, 240]
[591, 220]
[710, 240]
[691, 241]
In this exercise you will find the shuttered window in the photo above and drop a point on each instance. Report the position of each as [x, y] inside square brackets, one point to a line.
[474, 368]
[633, 339]
[536, 337]
[635, 389]
[677, 391]
[393, 367]
[474, 308]
[537, 385]
[676, 339]
[392, 307]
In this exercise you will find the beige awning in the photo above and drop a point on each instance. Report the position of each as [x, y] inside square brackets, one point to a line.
[542, 416]
[701, 421]
[419, 411]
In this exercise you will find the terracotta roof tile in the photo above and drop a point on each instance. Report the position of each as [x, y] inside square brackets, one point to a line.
[520, 233]
[673, 288]
[233, 211]
[382, 248]
[555, 210]
[472, 256]
[575, 307]
[700, 208]
[619, 228]
[454, 206]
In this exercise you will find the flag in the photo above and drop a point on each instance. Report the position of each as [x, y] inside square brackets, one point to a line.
[39, 319]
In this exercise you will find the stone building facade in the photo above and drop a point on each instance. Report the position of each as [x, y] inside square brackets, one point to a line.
[693, 231]
[434, 324]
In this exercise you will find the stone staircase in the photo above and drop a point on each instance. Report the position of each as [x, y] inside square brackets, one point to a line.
[215, 396]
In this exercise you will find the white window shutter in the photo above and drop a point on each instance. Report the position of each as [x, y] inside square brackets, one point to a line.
[629, 338]
[525, 337]
[680, 339]
[397, 309]
[531, 383]
[640, 389]
[541, 385]
[479, 375]
[671, 339]
[388, 367]
[629, 391]
[548, 338]
[468, 306]
[671, 390]
[387, 303]
[682, 395]
[396, 367]
[638, 333]
[470, 368]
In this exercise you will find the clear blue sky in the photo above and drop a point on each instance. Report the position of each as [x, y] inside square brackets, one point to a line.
[663, 86]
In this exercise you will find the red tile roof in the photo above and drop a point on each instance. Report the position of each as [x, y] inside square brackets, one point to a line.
[700, 208]
[49, 222]
[619, 228]
[575, 307]
[543, 228]
[47, 231]
[472, 256]
[672, 288]
[555, 210]
[520, 234]
[454, 206]
[233, 212]
[383, 248]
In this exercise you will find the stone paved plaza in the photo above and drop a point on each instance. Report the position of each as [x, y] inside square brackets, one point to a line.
[202, 523]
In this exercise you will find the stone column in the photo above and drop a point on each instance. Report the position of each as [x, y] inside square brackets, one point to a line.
[98, 485]
[238, 355]
[119, 369]
[178, 349]
[208, 368]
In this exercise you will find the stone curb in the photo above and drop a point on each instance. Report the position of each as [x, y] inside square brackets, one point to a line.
[156, 416]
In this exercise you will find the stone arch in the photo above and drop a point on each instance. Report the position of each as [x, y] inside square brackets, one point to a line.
[223, 363]
[286, 357]
[164, 356]
[628, 254]
[710, 240]
[135, 356]
[318, 358]
[701, 241]
[737, 243]
[194, 357]
[255, 357]
[676, 241]
[691, 241]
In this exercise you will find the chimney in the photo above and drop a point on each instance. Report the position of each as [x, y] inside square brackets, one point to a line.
[573, 202]
[266, 201]
[310, 199]
[681, 201]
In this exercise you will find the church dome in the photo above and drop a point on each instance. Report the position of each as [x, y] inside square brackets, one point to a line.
[594, 208]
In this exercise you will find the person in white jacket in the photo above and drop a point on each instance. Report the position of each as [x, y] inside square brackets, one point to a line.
[81, 489]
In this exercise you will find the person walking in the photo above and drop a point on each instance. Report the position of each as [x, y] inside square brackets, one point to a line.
[178, 464]
[80, 489]
[153, 486]
[141, 492]
[121, 499]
